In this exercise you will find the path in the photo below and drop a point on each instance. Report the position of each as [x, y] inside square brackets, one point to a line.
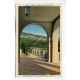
[33, 66]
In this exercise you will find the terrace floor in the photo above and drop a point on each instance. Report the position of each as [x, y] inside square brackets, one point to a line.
[30, 65]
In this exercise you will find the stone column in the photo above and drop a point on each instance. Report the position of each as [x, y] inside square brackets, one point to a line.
[39, 52]
[36, 51]
[20, 52]
[43, 53]
[49, 60]
[55, 57]
[33, 51]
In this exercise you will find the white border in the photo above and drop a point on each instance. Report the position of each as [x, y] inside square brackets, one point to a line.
[61, 67]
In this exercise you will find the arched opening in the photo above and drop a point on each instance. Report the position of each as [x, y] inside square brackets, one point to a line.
[56, 41]
[34, 41]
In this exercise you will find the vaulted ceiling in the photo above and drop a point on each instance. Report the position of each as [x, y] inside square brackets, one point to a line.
[44, 15]
[40, 13]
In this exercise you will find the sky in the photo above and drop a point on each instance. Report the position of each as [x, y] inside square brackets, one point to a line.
[34, 29]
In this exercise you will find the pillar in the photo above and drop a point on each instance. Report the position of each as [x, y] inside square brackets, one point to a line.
[49, 60]
[39, 52]
[36, 51]
[55, 57]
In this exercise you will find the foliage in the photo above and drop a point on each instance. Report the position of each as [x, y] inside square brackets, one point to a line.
[26, 43]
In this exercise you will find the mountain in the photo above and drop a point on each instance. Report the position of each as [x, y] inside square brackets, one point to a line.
[33, 36]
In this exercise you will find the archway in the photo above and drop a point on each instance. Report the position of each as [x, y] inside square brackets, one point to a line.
[56, 41]
[34, 41]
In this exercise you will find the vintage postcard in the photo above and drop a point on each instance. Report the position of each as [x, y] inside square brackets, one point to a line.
[38, 40]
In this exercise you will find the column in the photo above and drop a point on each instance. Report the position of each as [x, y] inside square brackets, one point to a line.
[49, 60]
[39, 52]
[36, 51]
[55, 57]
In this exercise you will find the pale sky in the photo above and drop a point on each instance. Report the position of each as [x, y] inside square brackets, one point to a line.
[34, 29]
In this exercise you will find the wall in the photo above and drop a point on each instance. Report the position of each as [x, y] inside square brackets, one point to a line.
[55, 38]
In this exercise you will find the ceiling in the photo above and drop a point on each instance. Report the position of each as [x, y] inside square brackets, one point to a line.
[39, 13]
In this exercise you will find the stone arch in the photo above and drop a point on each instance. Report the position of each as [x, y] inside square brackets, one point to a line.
[36, 23]
[25, 23]
[41, 25]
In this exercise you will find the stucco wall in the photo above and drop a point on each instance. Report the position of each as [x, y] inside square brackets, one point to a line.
[55, 53]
